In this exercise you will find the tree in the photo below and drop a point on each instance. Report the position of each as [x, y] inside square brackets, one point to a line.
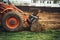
[56, 1]
[34, 1]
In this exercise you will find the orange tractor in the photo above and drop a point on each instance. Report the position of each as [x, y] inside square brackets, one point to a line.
[14, 19]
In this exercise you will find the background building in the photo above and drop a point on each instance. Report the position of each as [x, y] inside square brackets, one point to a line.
[34, 2]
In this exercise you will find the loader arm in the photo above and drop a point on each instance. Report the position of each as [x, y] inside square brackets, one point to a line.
[8, 6]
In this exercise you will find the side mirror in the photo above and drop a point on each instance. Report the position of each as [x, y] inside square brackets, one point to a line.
[1, 0]
[5, 2]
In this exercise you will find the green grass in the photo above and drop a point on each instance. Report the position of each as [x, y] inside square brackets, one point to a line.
[27, 35]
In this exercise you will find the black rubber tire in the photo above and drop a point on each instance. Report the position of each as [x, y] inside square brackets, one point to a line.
[9, 14]
[35, 27]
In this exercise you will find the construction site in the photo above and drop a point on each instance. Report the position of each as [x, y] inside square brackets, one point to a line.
[29, 20]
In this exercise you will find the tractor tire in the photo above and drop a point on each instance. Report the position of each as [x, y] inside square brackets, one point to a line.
[36, 27]
[11, 21]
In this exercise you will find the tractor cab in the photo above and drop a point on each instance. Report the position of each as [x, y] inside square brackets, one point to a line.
[5, 1]
[1, 0]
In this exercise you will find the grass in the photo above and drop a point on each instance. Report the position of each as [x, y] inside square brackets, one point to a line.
[27, 35]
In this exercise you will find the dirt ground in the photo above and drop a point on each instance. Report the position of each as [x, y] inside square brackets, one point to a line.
[48, 20]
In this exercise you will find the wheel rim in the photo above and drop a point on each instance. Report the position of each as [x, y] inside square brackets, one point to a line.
[12, 22]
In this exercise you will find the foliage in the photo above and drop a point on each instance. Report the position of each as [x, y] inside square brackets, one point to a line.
[56, 1]
[27, 35]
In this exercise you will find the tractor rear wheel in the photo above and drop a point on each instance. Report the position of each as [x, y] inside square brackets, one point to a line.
[11, 21]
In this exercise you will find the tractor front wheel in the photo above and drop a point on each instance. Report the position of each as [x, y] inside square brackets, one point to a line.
[12, 22]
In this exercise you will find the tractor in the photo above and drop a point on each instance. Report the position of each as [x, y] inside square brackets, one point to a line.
[14, 19]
